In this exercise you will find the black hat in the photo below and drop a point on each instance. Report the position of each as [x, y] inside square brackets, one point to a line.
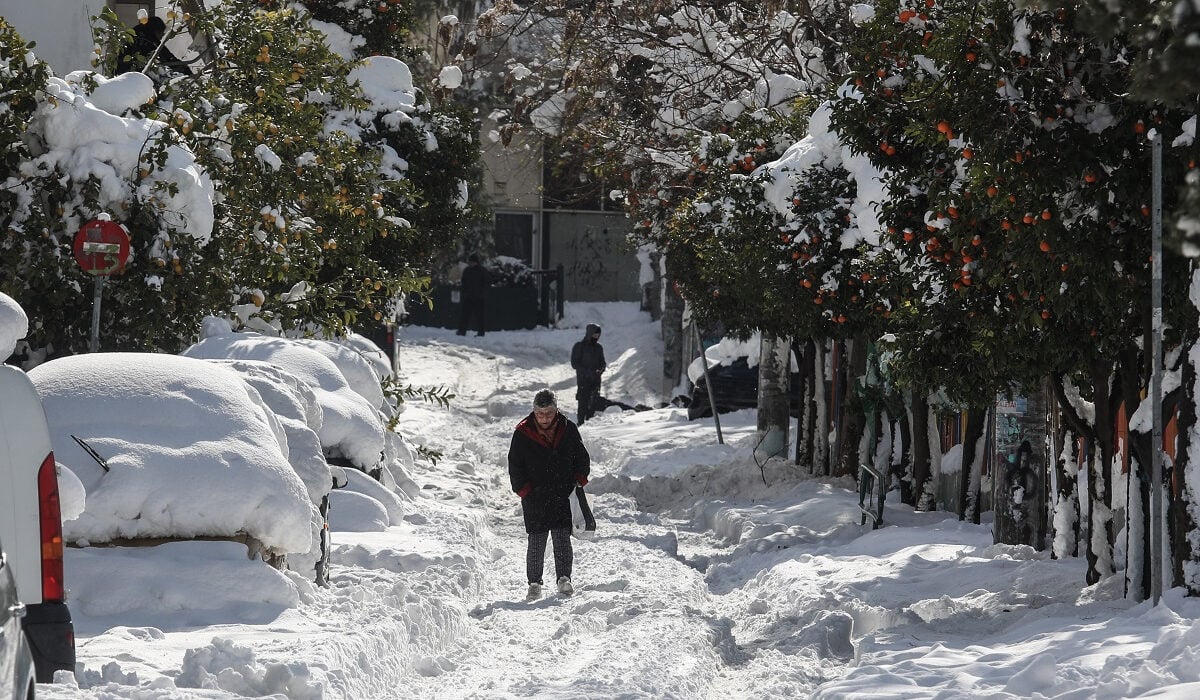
[473, 258]
[544, 399]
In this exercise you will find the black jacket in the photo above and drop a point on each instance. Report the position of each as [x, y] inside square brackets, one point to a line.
[587, 358]
[474, 281]
[545, 472]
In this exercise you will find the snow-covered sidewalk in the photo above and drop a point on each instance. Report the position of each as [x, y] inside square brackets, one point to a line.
[703, 581]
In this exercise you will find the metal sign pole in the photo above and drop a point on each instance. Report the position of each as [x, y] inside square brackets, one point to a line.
[98, 287]
[1156, 513]
[712, 401]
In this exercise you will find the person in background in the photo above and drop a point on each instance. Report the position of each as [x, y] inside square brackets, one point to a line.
[475, 282]
[587, 359]
[148, 38]
[546, 461]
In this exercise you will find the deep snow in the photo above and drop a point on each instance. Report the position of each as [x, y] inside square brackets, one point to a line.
[702, 582]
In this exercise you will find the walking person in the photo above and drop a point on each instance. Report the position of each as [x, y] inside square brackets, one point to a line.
[587, 359]
[475, 283]
[546, 461]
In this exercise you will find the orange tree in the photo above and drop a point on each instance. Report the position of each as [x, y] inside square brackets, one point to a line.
[64, 165]
[435, 204]
[797, 268]
[1163, 73]
[1020, 193]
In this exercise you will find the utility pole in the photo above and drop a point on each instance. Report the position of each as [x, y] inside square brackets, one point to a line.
[1156, 513]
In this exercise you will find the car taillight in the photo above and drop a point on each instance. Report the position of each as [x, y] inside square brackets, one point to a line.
[51, 527]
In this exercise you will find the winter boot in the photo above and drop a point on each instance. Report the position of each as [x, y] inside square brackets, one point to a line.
[535, 591]
[564, 586]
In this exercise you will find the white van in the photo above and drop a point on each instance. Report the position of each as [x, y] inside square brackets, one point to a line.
[31, 524]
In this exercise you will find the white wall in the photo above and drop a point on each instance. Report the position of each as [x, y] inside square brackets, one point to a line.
[61, 28]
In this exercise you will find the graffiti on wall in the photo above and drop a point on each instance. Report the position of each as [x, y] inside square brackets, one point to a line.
[590, 254]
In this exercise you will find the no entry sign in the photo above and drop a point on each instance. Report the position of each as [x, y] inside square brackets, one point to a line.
[102, 247]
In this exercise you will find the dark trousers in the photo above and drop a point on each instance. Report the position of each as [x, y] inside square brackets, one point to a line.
[586, 393]
[471, 310]
[535, 556]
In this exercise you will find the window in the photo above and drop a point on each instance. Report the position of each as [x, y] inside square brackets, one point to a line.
[127, 9]
[514, 236]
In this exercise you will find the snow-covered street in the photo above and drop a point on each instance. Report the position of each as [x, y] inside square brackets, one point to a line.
[708, 578]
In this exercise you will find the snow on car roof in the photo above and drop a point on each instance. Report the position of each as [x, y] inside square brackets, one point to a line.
[189, 447]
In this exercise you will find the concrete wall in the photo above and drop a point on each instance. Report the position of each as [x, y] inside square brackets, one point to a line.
[598, 263]
[61, 28]
[512, 177]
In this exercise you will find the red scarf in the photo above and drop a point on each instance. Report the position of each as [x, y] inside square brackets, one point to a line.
[547, 438]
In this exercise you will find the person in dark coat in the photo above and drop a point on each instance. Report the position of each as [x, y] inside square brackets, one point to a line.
[587, 359]
[475, 282]
[148, 38]
[546, 461]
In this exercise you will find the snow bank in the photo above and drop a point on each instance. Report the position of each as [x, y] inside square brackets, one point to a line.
[189, 449]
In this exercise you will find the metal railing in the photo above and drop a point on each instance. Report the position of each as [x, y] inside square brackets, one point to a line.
[872, 487]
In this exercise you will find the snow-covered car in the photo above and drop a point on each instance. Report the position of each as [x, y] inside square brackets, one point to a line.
[735, 386]
[16, 660]
[30, 517]
[174, 448]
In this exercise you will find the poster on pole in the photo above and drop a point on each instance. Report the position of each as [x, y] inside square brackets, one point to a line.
[1019, 470]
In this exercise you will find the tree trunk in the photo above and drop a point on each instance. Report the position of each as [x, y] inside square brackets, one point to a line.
[773, 414]
[674, 363]
[821, 408]
[804, 392]
[968, 486]
[1180, 517]
[919, 410]
[908, 490]
[1067, 499]
[1099, 529]
[853, 419]
[1137, 486]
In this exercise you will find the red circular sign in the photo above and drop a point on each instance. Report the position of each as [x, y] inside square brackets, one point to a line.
[102, 247]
